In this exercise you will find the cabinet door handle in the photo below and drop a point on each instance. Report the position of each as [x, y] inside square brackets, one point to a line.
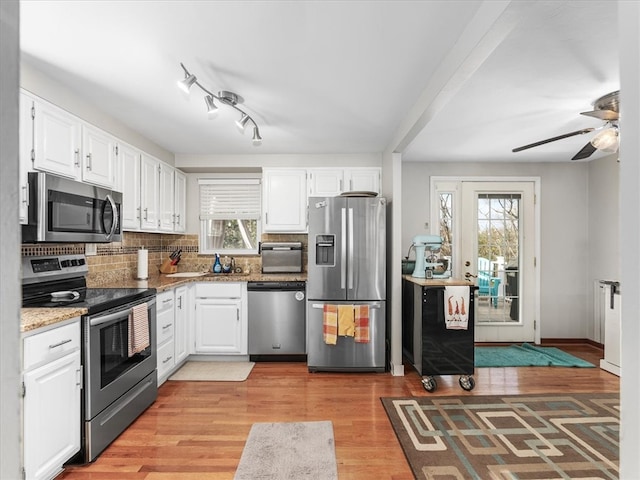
[138, 213]
[180, 303]
[77, 157]
[89, 161]
[146, 214]
[238, 314]
[59, 344]
[25, 195]
[167, 359]
[168, 325]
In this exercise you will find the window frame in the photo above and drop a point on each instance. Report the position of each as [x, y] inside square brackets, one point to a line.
[202, 230]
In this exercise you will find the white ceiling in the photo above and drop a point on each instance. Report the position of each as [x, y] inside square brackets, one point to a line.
[436, 80]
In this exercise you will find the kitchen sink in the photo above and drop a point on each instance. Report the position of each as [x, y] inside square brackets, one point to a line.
[187, 274]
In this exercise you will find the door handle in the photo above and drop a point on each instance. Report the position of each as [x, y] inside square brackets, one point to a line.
[468, 275]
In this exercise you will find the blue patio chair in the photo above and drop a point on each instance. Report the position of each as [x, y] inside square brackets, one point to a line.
[487, 284]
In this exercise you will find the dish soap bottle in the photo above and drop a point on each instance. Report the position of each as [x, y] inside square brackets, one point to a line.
[217, 267]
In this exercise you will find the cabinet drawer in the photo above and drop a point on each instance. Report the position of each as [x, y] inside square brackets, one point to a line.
[166, 359]
[164, 329]
[218, 290]
[50, 345]
[164, 301]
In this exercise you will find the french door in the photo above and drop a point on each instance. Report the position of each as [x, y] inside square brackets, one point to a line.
[490, 235]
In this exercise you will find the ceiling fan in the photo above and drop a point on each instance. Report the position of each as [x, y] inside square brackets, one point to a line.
[605, 108]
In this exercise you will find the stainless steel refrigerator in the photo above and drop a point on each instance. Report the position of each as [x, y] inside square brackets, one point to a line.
[347, 266]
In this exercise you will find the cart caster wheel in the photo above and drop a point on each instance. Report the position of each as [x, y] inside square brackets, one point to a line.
[429, 384]
[467, 383]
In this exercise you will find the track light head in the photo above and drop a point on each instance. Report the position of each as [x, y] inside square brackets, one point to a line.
[186, 83]
[212, 108]
[243, 121]
[257, 139]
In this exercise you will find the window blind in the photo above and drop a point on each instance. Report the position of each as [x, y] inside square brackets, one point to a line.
[225, 199]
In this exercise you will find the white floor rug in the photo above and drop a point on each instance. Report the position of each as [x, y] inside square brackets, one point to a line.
[289, 451]
[214, 371]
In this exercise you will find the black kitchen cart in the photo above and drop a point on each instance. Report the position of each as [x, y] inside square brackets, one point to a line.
[427, 344]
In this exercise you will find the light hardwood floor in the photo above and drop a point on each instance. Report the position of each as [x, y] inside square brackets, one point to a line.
[197, 430]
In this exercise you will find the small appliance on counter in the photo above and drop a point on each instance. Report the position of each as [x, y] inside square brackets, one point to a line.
[429, 265]
[281, 257]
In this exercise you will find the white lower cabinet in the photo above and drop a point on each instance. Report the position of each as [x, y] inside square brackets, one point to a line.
[181, 324]
[165, 319]
[220, 322]
[51, 406]
[172, 321]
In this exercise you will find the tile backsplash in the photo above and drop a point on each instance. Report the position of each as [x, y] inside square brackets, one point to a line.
[118, 261]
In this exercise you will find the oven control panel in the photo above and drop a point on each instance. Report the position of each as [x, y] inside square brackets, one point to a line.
[37, 269]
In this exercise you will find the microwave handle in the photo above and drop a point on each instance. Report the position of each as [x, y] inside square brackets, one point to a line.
[116, 216]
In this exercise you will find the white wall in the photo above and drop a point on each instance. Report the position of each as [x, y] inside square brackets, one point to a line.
[10, 424]
[564, 297]
[604, 226]
[226, 163]
[629, 47]
[61, 96]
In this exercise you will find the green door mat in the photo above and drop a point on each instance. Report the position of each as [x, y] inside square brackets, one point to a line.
[526, 355]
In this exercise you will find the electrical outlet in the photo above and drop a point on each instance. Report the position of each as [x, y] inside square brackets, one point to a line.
[426, 225]
[90, 249]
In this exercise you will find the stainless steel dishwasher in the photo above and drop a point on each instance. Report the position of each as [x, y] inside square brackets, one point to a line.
[277, 320]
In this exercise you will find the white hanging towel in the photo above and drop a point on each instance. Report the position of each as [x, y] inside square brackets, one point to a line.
[456, 307]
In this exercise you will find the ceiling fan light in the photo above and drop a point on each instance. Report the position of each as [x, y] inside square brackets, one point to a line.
[186, 83]
[257, 139]
[212, 108]
[243, 121]
[606, 140]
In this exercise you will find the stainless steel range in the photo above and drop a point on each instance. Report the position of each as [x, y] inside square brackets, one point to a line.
[118, 384]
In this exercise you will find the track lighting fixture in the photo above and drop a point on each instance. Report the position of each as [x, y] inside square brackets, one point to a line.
[225, 97]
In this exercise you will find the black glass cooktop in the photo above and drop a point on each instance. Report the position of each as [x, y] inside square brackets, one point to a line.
[74, 293]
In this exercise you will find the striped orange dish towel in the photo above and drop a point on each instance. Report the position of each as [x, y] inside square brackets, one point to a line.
[330, 324]
[362, 324]
[138, 329]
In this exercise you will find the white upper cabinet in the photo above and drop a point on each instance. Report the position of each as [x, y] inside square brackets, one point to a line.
[57, 141]
[24, 153]
[98, 157]
[284, 197]
[326, 182]
[329, 182]
[149, 192]
[129, 166]
[362, 180]
[180, 204]
[166, 198]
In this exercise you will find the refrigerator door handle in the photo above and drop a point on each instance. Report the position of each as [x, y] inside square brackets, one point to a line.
[343, 248]
[321, 305]
[350, 271]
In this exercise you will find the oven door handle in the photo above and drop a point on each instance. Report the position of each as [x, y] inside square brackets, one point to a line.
[101, 320]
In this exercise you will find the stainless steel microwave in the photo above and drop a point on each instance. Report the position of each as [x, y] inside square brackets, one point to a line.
[65, 211]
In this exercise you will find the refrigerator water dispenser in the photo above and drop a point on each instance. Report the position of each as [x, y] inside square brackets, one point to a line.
[325, 250]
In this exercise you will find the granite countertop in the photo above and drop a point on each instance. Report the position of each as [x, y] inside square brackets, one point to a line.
[34, 318]
[437, 282]
[163, 282]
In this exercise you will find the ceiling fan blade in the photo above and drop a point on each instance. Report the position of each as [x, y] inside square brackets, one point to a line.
[586, 151]
[602, 114]
[549, 140]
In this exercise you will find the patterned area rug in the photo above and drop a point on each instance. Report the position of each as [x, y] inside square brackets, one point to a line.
[497, 437]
